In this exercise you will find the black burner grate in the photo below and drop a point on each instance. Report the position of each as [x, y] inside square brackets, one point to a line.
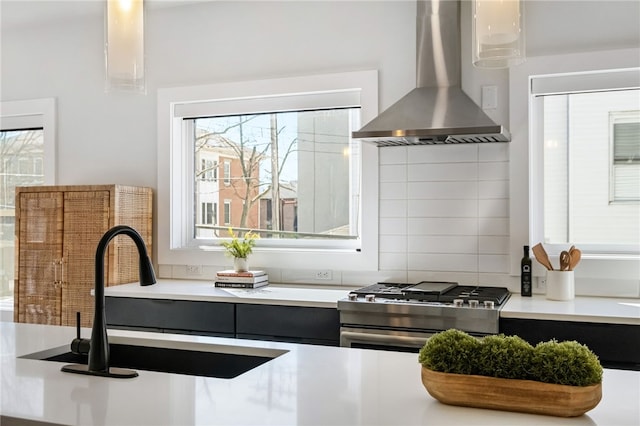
[495, 294]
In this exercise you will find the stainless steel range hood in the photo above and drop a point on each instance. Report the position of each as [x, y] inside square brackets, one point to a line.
[437, 111]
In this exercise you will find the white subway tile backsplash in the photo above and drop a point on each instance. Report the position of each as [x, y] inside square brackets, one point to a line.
[444, 213]
[493, 152]
[393, 208]
[392, 244]
[393, 155]
[493, 244]
[493, 226]
[393, 191]
[442, 244]
[393, 261]
[493, 263]
[442, 208]
[442, 190]
[442, 154]
[393, 173]
[442, 226]
[493, 171]
[393, 226]
[442, 172]
[442, 262]
[488, 189]
[493, 208]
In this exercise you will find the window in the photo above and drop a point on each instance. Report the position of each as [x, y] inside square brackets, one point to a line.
[588, 140]
[227, 212]
[208, 169]
[625, 164]
[208, 213]
[27, 150]
[285, 149]
[300, 161]
[227, 173]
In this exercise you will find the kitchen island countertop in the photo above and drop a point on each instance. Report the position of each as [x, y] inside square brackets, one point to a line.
[306, 385]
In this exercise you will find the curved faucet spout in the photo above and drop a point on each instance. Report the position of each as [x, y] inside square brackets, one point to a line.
[99, 349]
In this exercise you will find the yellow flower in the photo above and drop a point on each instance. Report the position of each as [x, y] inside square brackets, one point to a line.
[240, 248]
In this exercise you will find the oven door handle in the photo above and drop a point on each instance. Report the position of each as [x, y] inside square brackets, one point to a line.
[382, 338]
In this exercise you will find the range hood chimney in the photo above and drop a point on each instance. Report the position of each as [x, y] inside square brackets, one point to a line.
[437, 111]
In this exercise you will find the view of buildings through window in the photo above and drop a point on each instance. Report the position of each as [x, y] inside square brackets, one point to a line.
[282, 174]
[22, 154]
[591, 160]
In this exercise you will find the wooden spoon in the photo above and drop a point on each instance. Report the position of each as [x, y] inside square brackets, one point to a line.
[575, 254]
[565, 261]
[541, 256]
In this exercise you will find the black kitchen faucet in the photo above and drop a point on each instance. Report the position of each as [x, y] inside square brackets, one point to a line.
[98, 346]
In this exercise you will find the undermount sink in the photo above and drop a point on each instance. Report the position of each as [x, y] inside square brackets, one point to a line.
[192, 359]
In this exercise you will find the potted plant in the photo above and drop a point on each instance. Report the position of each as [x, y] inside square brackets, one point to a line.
[240, 249]
[507, 373]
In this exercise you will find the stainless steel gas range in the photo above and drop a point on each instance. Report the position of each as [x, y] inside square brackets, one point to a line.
[401, 316]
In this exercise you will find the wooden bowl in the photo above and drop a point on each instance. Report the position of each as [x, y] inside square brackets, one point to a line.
[525, 396]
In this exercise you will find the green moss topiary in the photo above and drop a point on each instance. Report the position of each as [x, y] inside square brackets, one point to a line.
[507, 357]
[567, 363]
[510, 357]
[449, 352]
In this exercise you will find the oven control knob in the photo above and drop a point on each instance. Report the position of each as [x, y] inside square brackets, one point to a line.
[474, 303]
[489, 304]
[370, 298]
[458, 303]
[353, 296]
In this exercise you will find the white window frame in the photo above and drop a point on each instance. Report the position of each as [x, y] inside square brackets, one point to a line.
[619, 271]
[173, 198]
[34, 113]
[577, 82]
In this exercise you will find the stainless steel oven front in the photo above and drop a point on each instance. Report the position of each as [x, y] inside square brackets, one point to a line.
[395, 340]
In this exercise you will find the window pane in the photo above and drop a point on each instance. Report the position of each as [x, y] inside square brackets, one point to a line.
[590, 141]
[21, 165]
[292, 172]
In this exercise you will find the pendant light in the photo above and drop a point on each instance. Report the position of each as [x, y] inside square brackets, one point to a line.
[124, 46]
[498, 33]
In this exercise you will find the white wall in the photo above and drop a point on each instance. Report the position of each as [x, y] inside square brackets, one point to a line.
[112, 137]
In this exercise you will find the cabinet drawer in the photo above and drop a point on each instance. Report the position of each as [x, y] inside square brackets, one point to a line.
[208, 317]
[617, 345]
[320, 325]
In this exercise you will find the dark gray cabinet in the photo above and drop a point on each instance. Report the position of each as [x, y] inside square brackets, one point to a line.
[288, 323]
[171, 316]
[616, 345]
[293, 324]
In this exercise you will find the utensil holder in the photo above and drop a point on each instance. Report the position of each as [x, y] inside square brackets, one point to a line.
[560, 285]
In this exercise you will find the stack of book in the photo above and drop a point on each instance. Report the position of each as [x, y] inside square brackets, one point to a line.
[247, 279]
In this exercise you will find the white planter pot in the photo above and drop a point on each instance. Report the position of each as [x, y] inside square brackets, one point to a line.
[240, 264]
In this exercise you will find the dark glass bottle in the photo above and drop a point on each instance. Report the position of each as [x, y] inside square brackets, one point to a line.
[525, 274]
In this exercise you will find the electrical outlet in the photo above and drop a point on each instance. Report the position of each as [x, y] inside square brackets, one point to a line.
[194, 270]
[323, 275]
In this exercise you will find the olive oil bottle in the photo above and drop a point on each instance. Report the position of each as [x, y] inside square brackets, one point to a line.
[525, 274]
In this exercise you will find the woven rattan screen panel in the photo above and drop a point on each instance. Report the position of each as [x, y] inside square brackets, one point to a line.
[39, 249]
[58, 230]
[86, 218]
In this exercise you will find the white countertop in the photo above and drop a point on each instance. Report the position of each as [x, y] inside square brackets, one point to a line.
[317, 296]
[307, 385]
[580, 309]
